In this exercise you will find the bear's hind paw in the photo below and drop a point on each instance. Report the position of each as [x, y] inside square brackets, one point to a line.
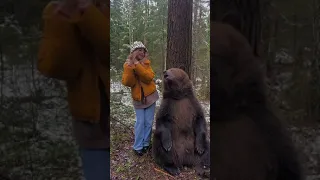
[174, 171]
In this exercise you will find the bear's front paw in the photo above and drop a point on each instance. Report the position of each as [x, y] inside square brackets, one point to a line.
[167, 145]
[199, 148]
[174, 171]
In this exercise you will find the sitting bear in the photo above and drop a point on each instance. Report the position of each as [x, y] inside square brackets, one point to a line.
[180, 137]
[249, 141]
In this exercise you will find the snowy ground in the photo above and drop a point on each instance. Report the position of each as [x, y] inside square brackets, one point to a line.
[35, 129]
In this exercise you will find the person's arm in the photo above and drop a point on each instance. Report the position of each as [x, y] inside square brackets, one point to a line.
[146, 73]
[57, 45]
[128, 77]
[94, 27]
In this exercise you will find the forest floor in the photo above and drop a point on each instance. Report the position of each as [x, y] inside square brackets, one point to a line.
[126, 165]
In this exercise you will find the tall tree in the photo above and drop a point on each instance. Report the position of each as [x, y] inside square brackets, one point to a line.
[195, 37]
[179, 43]
[244, 15]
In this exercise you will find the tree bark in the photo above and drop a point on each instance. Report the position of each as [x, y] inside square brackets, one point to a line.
[2, 74]
[269, 39]
[129, 16]
[195, 37]
[163, 48]
[244, 15]
[179, 44]
[146, 23]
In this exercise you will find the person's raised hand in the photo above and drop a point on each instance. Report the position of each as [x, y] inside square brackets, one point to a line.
[102, 6]
[84, 4]
[134, 57]
[68, 7]
[146, 56]
[128, 60]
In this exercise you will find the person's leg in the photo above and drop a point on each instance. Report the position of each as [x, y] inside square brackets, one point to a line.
[139, 130]
[95, 163]
[149, 117]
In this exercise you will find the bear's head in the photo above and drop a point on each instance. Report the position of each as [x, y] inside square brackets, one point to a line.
[236, 74]
[177, 83]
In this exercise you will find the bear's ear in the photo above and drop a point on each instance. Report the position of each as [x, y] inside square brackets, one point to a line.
[182, 67]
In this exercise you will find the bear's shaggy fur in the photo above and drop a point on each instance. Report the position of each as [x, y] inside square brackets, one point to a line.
[180, 138]
[248, 141]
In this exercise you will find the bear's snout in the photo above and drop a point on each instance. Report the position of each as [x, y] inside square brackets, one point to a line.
[165, 74]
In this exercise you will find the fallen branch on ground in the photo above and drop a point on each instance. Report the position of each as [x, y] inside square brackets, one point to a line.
[163, 172]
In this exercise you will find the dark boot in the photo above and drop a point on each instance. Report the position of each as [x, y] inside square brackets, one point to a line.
[138, 152]
[146, 149]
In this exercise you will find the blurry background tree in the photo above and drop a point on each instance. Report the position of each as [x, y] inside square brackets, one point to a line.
[288, 43]
[35, 126]
[244, 15]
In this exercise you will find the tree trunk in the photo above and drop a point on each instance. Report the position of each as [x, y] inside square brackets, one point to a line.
[2, 74]
[129, 16]
[146, 23]
[270, 39]
[195, 37]
[163, 48]
[244, 15]
[315, 67]
[179, 45]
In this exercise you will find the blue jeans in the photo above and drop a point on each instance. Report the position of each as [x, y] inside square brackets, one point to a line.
[95, 163]
[143, 126]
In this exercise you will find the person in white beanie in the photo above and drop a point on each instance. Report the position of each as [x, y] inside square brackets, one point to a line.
[139, 76]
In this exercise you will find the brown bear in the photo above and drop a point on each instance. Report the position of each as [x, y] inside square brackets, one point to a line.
[249, 142]
[180, 137]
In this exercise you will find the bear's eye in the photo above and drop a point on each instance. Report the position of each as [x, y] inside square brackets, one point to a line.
[183, 78]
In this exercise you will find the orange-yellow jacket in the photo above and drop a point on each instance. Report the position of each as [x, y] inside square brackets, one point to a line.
[83, 91]
[135, 76]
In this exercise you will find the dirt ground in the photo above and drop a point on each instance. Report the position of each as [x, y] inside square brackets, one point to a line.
[126, 165]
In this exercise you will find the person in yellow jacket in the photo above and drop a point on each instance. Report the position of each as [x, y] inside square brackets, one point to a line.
[75, 48]
[139, 76]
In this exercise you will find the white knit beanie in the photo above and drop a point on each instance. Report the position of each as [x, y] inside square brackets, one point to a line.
[136, 45]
